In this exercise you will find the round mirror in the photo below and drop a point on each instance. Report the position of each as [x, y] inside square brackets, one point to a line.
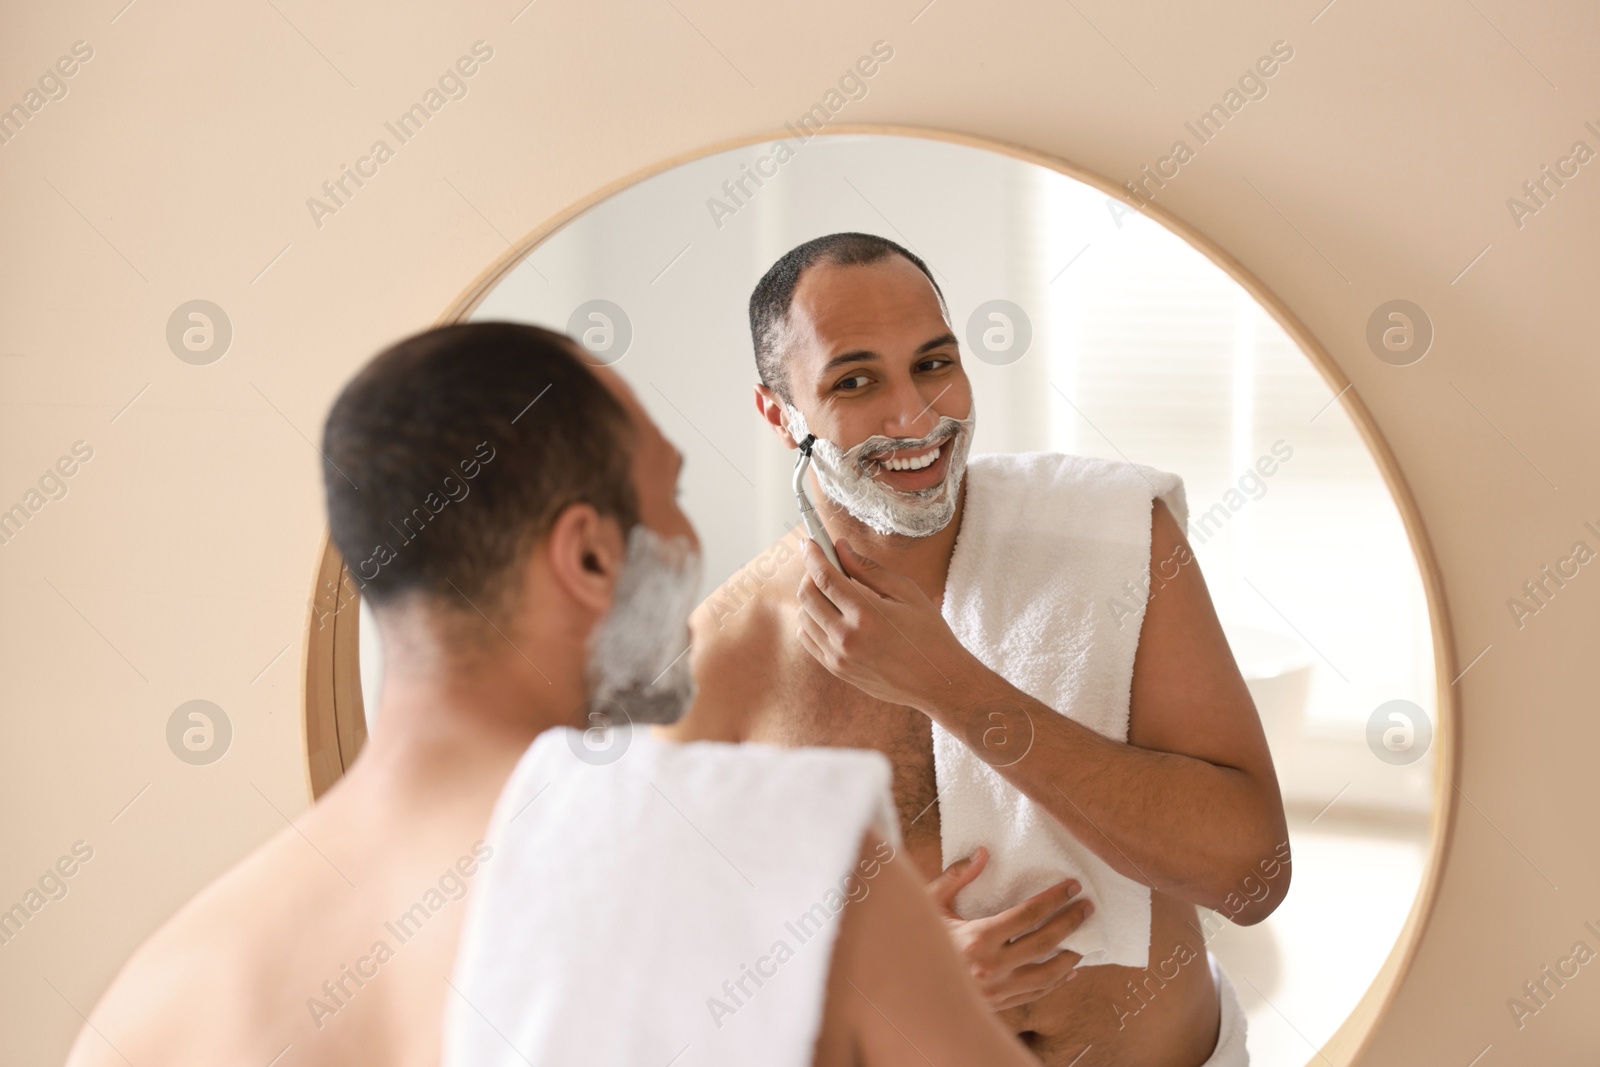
[1086, 327]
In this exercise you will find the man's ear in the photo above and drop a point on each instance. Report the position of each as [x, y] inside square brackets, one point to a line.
[586, 553]
[770, 409]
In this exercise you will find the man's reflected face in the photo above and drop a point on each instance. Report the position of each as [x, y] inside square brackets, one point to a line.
[870, 353]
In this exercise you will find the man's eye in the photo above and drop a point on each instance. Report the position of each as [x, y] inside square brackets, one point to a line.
[846, 383]
[934, 364]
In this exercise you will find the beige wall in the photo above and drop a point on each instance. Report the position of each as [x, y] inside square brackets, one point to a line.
[180, 562]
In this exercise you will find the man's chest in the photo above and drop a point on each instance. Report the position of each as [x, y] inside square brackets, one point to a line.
[809, 706]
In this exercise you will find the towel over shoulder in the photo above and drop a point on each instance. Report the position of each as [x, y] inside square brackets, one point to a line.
[1048, 585]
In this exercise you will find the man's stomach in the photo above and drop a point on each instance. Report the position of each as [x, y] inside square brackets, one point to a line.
[1164, 1016]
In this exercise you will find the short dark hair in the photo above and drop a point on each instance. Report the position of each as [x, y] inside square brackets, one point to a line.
[774, 293]
[503, 414]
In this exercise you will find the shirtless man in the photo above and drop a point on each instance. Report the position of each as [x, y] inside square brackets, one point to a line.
[851, 331]
[331, 943]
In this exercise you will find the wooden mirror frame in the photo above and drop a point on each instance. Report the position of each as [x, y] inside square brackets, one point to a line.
[335, 720]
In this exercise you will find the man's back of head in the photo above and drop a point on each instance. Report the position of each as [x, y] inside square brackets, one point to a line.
[501, 413]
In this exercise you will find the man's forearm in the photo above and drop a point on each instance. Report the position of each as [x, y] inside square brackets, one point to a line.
[1178, 824]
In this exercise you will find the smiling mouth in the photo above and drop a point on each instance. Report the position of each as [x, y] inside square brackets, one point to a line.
[913, 462]
[912, 469]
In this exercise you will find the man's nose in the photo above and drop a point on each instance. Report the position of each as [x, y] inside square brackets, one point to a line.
[914, 415]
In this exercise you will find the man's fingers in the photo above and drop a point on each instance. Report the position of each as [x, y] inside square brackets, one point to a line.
[1015, 1000]
[813, 602]
[816, 639]
[834, 585]
[868, 572]
[1032, 947]
[1028, 984]
[808, 642]
[955, 877]
[1048, 974]
[1023, 917]
[1015, 956]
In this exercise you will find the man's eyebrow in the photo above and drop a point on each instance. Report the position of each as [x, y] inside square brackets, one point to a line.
[865, 355]
[860, 355]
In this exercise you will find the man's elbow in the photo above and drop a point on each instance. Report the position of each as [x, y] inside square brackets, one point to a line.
[1259, 883]
[1255, 910]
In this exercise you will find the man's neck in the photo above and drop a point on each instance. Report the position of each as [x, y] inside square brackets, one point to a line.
[434, 727]
[925, 560]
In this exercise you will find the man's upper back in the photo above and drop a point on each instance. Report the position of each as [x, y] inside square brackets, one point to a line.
[316, 949]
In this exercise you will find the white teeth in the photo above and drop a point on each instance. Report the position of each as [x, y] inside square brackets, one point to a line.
[913, 463]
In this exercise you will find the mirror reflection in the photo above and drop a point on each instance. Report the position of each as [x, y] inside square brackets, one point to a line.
[1132, 395]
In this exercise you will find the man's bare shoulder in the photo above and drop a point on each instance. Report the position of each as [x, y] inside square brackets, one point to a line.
[736, 636]
[208, 980]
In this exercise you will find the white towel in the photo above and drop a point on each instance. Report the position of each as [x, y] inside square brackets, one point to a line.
[623, 895]
[1233, 1027]
[1048, 586]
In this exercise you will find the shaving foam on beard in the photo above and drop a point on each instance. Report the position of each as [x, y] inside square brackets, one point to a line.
[636, 661]
[844, 477]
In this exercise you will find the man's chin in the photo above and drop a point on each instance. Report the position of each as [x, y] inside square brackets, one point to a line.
[890, 522]
[929, 494]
